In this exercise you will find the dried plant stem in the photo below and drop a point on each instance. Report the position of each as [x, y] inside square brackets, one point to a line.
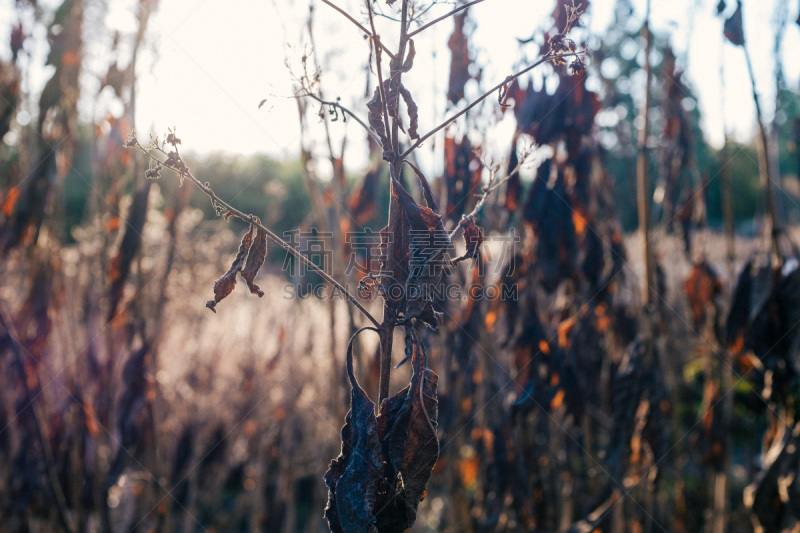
[486, 191]
[643, 174]
[251, 219]
[387, 328]
[443, 17]
[764, 168]
[378, 46]
[343, 109]
[360, 26]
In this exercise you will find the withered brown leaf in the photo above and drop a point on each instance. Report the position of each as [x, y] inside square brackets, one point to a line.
[407, 425]
[413, 258]
[225, 284]
[353, 477]
[375, 117]
[473, 238]
[413, 113]
[255, 260]
[120, 264]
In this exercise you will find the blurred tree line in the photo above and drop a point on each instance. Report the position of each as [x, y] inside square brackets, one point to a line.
[276, 190]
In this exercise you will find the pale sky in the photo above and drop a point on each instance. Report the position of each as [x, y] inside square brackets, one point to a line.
[209, 63]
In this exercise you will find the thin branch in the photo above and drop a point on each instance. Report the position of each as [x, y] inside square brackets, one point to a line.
[359, 25]
[377, 39]
[183, 172]
[346, 111]
[488, 189]
[547, 57]
[445, 16]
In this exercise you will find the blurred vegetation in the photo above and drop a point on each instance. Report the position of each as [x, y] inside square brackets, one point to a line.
[116, 378]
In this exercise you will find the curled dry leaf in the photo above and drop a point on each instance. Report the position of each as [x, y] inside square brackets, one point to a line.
[225, 284]
[459, 59]
[413, 113]
[473, 238]
[409, 62]
[255, 259]
[353, 477]
[427, 192]
[375, 118]
[413, 259]
[407, 427]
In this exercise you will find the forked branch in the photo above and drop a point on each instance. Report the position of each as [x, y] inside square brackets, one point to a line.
[443, 17]
[360, 26]
[174, 162]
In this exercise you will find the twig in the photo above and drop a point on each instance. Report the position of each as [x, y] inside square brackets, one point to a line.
[764, 168]
[439, 19]
[344, 110]
[547, 57]
[643, 175]
[377, 39]
[183, 172]
[359, 25]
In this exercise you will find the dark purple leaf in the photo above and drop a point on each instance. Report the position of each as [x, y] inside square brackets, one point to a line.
[353, 477]
[410, 444]
[734, 29]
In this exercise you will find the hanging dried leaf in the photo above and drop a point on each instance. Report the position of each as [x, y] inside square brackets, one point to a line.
[427, 192]
[551, 117]
[353, 477]
[407, 426]
[462, 177]
[225, 284]
[459, 60]
[413, 259]
[473, 238]
[702, 286]
[409, 62]
[120, 264]
[363, 201]
[548, 209]
[375, 117]
[255, 260]
[118, 79]
[413, 113]
[734, 29]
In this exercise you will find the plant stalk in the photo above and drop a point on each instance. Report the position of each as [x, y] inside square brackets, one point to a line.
[764, 169]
